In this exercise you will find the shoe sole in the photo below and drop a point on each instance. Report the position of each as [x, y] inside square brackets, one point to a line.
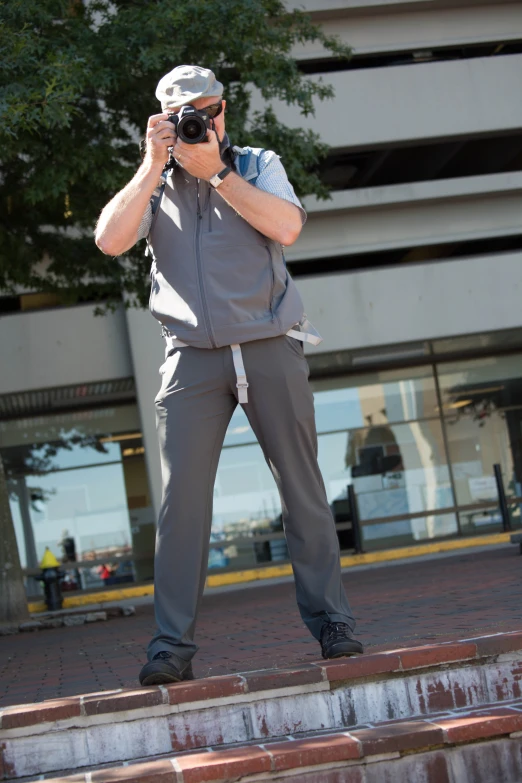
[343, 655]
[338, 652]
[160, 678]
[158, 673]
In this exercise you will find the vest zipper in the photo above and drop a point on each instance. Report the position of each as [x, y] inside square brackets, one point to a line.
[209, 202]
[206, 317]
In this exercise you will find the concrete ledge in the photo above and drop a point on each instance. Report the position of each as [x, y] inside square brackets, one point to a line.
[126, 726]
[216, 689]
[387, 742]
[414, 192]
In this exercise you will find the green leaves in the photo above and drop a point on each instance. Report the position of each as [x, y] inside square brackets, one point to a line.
[76, 89]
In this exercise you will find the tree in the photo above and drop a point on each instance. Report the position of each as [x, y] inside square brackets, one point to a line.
[76, 87]
[13, 603]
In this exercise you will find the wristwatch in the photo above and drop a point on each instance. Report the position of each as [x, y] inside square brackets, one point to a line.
[217, 179]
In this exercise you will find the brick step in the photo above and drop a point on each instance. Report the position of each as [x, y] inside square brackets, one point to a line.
[125, 725]
[461, 746]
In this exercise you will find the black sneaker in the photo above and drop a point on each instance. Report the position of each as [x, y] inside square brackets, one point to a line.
[337, 641]
[165, 668]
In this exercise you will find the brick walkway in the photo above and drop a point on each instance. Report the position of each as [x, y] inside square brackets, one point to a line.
[259, 627]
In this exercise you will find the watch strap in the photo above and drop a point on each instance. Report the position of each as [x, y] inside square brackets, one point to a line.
[217, 179]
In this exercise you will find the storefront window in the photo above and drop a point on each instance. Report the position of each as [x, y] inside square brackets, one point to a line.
[78, 486]
[388, 434]
[482, 408]
[397, 462]
[382, 432]
[374, 399]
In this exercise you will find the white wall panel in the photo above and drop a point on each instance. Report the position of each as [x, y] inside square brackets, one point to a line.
[414, 30]
[414, 192]
[411, 215]
[330, 7]
[59, 347]
[354, 5]
[410, 102]
[418, 302]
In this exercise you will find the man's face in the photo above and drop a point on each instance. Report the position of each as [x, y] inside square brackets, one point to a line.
[202, 103]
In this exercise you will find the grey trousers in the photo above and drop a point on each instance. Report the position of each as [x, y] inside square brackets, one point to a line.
[194, 406]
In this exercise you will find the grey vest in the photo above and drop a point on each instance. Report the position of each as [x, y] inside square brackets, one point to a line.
[215, 279]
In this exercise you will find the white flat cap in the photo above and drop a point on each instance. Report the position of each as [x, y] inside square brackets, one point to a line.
[185, 84]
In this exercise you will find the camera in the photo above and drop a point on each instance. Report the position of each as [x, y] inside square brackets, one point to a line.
[191, 124]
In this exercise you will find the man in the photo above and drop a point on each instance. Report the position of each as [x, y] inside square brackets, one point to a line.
[229, 312]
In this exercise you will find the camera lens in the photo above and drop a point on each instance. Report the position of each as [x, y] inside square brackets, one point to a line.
[192, 130]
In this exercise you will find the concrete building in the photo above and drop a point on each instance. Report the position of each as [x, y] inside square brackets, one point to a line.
[412, 273]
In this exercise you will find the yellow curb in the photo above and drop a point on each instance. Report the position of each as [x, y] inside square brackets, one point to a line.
[423, 549]
[250, 575]
[88, 599]
[218, 580]
[269, 572]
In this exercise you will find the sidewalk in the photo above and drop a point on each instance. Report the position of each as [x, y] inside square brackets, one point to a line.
[436, 599]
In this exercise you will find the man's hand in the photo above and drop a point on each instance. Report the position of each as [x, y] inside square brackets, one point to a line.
[200, 160]
[119, 222]
[160, 136]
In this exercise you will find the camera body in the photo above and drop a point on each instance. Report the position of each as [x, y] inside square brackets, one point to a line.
[191, 124]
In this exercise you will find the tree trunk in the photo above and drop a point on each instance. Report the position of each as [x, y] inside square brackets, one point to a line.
[13, 601]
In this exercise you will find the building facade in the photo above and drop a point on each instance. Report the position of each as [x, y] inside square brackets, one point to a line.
[412, 272]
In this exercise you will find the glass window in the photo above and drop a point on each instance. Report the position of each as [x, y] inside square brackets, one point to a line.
[78, 485]
[239, 430]
[246, 498]
[385, 433]
[246, 506]
[398, 469]
[374, 399]
[381, 431]
[482, 408]
[391, 448]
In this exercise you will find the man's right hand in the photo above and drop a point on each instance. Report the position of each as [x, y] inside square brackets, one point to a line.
[160, 136]
[119, 222]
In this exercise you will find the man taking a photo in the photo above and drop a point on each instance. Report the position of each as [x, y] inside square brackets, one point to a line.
[234, 327]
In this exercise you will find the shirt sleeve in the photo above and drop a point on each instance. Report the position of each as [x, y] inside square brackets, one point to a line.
[272, 178]
[145, 224]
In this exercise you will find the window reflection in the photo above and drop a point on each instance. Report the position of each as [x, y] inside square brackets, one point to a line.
[90, 503]
[239, 430]
[246, 499]
[482, 407]
[381, 431]
[396, 469]
[78, 485]
[374, 399]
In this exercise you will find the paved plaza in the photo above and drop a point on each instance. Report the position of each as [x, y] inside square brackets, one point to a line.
[255, 627]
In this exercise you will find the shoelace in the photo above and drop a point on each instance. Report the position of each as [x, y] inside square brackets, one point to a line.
[336, 632]
[163, 655]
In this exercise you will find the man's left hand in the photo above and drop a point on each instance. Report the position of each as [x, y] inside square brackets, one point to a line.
[201, 160]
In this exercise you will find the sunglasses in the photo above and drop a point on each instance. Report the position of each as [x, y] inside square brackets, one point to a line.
[214, 110]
